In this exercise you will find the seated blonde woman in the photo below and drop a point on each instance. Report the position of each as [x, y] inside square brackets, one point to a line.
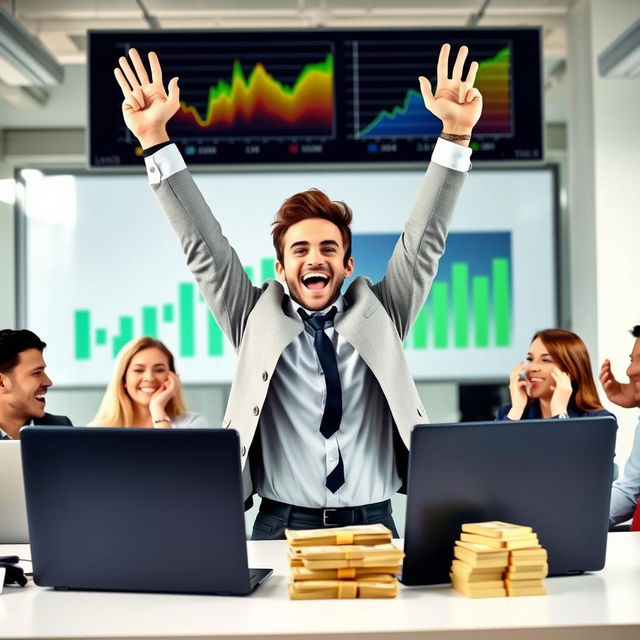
[144, 390]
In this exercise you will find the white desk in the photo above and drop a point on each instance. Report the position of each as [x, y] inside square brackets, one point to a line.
[595, 606]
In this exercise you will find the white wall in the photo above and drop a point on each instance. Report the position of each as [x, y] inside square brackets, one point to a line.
[604, 194]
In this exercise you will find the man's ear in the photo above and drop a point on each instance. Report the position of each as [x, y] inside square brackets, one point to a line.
[5, 384]
[280, 271]
[348, 270]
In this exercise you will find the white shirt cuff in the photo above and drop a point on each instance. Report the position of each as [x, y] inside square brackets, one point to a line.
[451, 155]
[164, 163]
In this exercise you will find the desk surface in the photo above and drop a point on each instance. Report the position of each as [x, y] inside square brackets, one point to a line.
[603, 604]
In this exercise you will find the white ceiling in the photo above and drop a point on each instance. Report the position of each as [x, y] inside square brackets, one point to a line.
[61, 25]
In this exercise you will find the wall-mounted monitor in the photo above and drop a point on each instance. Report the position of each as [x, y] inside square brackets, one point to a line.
[251, 98]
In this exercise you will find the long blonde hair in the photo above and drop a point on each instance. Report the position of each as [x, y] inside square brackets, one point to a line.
[116, 408]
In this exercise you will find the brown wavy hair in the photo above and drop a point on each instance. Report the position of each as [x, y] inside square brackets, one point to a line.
[570, 353]
[312, 203]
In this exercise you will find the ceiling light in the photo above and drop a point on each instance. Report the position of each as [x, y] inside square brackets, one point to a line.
[621, 59]
[23, 60]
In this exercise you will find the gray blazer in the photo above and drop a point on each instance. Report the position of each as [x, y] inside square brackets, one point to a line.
[376, 320]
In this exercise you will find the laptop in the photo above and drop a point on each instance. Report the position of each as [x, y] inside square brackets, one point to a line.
[13, 512]
[552, 475]
[157, 510]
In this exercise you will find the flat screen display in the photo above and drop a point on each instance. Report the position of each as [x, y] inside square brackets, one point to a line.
[102, 266]
[251, 98]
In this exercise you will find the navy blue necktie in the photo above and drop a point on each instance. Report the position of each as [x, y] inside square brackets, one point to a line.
[332, 415]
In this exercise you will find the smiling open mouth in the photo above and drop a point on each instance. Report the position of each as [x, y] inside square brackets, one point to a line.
[40, 398]
[315, 280]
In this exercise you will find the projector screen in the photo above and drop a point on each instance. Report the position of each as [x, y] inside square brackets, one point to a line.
[317, 96]
[101, 266]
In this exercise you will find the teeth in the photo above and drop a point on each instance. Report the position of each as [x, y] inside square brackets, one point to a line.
[40, 397]
[322, 276]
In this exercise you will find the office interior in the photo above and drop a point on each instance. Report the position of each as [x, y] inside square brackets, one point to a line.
[591, 127]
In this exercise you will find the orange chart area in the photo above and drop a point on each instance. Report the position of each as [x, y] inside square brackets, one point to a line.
[259, 105]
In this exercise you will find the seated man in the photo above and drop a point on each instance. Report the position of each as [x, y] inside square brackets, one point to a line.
[23, 383]
[626, 489]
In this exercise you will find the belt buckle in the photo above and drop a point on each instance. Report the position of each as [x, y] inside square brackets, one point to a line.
[325, 513]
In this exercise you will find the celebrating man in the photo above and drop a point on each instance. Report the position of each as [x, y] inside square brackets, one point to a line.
[322, 397]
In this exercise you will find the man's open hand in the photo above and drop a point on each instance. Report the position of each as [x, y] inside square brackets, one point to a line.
[456, 101]
[147, 107]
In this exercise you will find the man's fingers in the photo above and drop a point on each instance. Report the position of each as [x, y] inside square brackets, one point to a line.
[128, 72]
[122, 82]
[130, 104]
[473, 94]
[459, 64]
[443, 64]
[132, 79]
[156, 69]
[129, 98]
[471, 76]
[138, 65]
[427, 94]
[174, 91]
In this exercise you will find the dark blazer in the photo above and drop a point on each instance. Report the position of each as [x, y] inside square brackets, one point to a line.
[54, 421]
[533, 412]
[46, 420]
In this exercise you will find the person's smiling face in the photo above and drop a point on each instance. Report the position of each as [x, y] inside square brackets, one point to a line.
[146, 373]
[27, 384]
[314, 268]
[538, 370]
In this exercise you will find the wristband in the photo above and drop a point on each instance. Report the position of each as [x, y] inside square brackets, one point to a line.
[454, 137]
[162, 420]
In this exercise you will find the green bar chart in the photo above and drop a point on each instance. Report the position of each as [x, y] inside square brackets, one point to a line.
[469, 305]
[183, 314]
[467, 314]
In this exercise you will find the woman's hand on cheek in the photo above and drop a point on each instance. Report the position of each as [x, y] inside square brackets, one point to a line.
[562, 391]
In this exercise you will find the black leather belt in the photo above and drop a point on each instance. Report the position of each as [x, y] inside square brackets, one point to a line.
[327, 517]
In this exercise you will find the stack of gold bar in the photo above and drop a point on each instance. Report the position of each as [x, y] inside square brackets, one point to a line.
[477, 571]
[343, 562]
[526, 571]
[498, 559]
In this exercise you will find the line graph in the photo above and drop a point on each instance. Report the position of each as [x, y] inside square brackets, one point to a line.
[408, 118]
[258, 105]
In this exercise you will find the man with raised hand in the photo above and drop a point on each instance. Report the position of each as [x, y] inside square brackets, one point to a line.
[23, 384]
[625, 492]
[322, 396]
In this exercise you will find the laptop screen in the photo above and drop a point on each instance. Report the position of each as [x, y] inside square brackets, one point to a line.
[136, 509]
[552, 475]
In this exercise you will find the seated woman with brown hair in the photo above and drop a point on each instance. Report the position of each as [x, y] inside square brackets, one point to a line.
[144, 390]
[555, 381]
